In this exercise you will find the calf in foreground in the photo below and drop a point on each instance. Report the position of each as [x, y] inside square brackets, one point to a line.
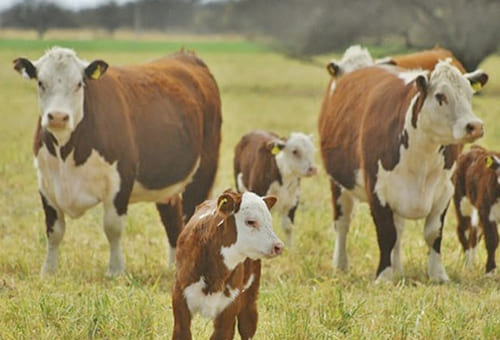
[218, 264]
[269, 165]
[391, 139]
[477, 202]
[118, 135]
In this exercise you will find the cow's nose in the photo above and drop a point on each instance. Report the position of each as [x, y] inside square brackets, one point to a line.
[474, 130]
[278, 248]
[57, 119]
[313, 170]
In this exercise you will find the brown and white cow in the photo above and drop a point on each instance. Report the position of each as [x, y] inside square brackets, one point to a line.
[477, 202]
[147, 132]
[218, 264]
[269, 165]
[391, 140]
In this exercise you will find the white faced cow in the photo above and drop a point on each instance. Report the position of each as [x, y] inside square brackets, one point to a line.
[139, 133]
[392, 140]
[218, 264]
[268, 165]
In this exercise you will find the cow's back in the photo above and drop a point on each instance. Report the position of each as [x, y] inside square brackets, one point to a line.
[362, 121]
[426, 59]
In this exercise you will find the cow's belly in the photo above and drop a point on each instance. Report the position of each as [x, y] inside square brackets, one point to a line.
[287, 193]
[412, 194]
[74, 189]
[142, 194]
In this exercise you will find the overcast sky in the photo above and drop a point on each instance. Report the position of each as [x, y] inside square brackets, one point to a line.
[71, 4]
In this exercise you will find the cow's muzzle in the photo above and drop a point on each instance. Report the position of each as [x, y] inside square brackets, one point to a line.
[474, 130]
[57, 120]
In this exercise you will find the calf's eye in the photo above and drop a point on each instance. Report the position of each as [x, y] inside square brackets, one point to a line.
[441, 98]
[40, 85]
[251, 223]
[296, 152]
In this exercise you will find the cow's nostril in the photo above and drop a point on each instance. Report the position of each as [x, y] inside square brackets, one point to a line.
[50, 116]
[66, 118]
[278, 248]
[470, 128]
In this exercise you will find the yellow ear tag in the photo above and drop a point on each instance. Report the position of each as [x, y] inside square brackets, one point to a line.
[489, 161]
[275, 150]
[476, 86]
[97, 73]
[221, 203]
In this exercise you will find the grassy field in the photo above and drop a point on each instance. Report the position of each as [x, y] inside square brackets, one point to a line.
[300, 297]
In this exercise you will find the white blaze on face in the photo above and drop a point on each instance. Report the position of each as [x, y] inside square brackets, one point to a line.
[447, 113]
[60, 86]
[297, 157]
[255, 236]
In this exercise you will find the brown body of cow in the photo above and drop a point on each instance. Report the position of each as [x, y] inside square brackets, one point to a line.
[208, 279]
[149, 132]
[476, 198]
[425, 59]
[378, 147]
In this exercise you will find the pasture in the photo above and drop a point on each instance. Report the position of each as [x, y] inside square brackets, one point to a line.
[300, 296]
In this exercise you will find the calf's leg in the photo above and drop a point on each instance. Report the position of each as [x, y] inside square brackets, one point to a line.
[491, 242]
[224, 323]
[182, 317]
[287, 224]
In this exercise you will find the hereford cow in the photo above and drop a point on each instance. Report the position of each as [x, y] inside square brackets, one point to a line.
[269, 165]
[477, 201]
[391, 139]
[218, 264]
[137, 133]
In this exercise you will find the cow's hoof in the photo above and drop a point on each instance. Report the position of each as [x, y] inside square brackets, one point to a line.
[386, 275]
[48, 271]
[491, 273]
[115, 272]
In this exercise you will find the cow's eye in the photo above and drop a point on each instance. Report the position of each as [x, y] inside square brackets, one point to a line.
[441, 98]
[79, 85]
[40, 85]
[251, 223]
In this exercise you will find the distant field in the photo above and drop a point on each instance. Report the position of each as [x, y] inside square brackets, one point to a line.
[300, 297]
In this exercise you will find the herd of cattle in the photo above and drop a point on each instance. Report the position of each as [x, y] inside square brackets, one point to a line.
[391, 134]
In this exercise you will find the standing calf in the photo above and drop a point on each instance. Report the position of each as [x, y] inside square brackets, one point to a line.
[477, 194]
[268, 165]
[218, 264]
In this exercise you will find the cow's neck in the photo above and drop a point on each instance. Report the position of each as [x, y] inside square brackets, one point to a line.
[287, 175]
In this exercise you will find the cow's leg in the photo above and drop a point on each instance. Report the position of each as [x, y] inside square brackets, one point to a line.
[433, 231]
[287, 224]
[55, 224]
[171, 217]
[383, 218]
[343, 204]
[182, 317]
[224, 323]
[491, 242]
[397, 264]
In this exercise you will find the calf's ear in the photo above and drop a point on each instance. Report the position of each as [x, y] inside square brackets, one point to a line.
[227, 204]
[270, 201]
[333, 69]
[477, 79]
[421, 83]
[275, 146]
[493, 162]
[25, 68]
[96, 69]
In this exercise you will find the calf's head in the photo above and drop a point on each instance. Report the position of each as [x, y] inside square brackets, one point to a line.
[493, 163]
[354, 58]
[295, 155]
[252, 219]
[446, 113]
[61, 78]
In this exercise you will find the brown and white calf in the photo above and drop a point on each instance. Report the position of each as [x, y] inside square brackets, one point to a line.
[477, 202]
[218, 264]
[146, 132]
[269, 165]
[391, 139]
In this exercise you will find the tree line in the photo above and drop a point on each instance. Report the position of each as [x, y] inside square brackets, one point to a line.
[298, 27]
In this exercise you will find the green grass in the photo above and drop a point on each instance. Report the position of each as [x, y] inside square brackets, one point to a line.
[300, 297]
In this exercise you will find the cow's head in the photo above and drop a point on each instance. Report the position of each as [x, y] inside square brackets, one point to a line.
[61, 78]
[493, 163]
[254, 226]
[446, 113]
[295, 156]
[354, 58]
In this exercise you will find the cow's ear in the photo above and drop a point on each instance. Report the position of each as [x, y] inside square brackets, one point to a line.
[228, 203]
[270, 201]
[275, 146]
[477, 79]
[333, 69]
[25, 68]
[96, 69]
[421, 83]
[492, 162]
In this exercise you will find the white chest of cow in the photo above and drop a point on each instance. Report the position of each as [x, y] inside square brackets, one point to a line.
[72, 188]
[415, 184]
[288, 194]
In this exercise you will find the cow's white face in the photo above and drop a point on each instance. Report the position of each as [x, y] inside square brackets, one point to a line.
[297, 156]
[446, 114]
[255, 236]
[61, 78]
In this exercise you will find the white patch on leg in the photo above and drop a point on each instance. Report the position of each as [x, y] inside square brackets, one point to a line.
[113, 228]
[171, 256]
[436, 271]
[491, 273]
[341, 226]
[53, 241]
[287, 225]
[387, 275]
[396, 251]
